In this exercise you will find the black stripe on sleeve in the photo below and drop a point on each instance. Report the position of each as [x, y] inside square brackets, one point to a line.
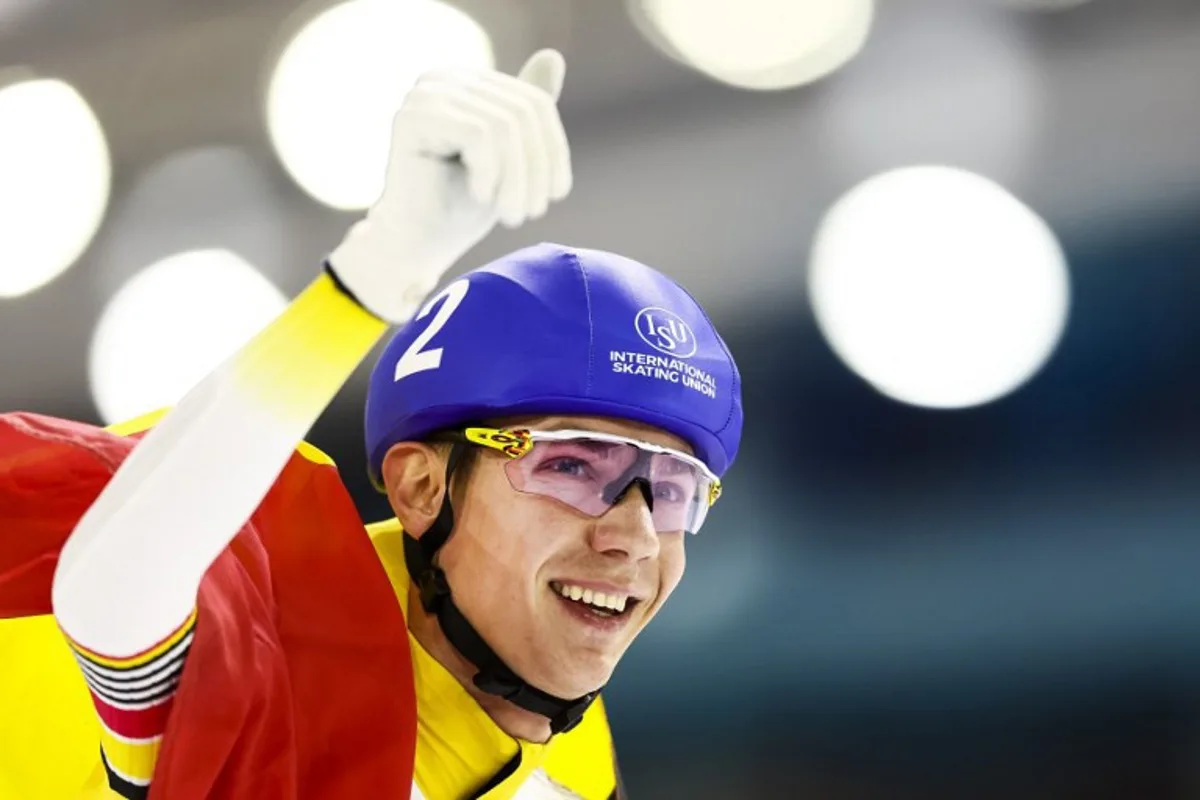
[128, 790]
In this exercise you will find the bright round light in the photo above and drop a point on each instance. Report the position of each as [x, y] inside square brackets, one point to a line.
[938, 287]
[54, 182]
[171, 324]
[338, 84]
[760, 44]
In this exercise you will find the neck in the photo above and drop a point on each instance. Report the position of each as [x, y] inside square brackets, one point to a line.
[513, 720]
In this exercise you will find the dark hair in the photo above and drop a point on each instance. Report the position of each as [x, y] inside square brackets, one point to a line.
[466, 464]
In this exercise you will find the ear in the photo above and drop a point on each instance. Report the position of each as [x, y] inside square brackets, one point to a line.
[414, 475]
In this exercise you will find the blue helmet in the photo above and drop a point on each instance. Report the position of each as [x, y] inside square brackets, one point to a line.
[558, 330]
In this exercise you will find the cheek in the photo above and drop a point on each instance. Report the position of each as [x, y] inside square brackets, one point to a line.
[502, 539]
[672, 559]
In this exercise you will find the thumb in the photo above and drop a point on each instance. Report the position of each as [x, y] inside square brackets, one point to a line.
[545, 69]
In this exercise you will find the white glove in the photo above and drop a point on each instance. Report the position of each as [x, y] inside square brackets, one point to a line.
[469, 148]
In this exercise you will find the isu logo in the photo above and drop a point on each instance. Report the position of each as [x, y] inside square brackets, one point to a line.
[665, 332]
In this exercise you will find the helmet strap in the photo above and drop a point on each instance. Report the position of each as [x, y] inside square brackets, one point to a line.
[494, 676]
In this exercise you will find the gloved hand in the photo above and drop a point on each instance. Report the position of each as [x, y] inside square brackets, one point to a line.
[469, 148]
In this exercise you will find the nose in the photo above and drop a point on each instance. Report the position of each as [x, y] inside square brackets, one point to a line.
[626, 531]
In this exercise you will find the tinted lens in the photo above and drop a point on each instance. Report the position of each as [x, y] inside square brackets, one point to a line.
[589, 475]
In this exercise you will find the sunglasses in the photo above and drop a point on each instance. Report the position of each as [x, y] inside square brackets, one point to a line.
[591, 472]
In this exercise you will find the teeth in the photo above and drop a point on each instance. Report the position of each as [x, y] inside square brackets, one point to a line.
[614, 602]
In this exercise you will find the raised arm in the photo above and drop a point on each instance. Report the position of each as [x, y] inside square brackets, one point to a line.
[468, 149]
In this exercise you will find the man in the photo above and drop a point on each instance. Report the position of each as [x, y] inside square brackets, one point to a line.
[547, 429]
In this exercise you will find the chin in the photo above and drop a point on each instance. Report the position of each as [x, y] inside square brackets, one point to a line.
[575, 677]
[593, 675]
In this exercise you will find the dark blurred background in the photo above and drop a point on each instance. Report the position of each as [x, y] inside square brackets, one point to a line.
[892, 600]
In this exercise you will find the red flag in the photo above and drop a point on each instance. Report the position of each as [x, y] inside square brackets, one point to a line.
[299, 681]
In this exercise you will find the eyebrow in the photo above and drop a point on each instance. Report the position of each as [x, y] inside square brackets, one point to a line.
[677, 467]
[592, 445]
[560, 424]
[555, 424]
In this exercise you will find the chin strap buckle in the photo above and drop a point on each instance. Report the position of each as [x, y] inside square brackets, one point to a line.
[572, 715]
[563, 714]
[434, 589]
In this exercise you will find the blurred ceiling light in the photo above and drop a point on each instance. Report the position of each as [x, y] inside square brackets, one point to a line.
[338, 83]
[171, 324]
[938, 287]
[55, 177]
[758, 44]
